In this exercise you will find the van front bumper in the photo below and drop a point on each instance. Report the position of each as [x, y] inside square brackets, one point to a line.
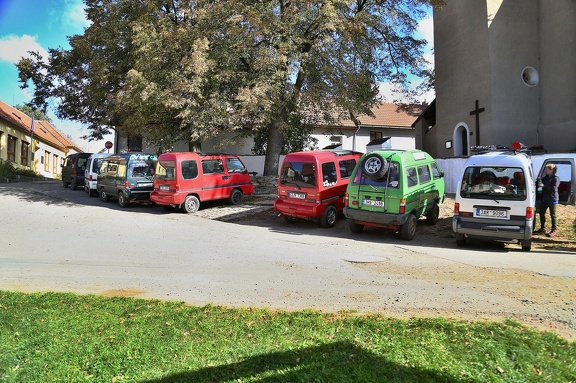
[494, 229]
[370, 217]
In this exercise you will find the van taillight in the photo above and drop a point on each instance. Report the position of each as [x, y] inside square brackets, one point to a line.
[317, 197]
[346, 200]
[402, 206]
[456, 208]
[529, 212]
[127, 184]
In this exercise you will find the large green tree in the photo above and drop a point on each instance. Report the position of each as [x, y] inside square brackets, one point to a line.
[194, 69]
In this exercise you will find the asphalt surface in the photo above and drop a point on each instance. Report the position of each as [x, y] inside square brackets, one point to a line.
[56, 239]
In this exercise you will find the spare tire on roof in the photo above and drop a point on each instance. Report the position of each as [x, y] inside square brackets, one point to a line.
[374, 166]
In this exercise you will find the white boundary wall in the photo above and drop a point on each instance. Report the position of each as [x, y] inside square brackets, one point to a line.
[452, 167]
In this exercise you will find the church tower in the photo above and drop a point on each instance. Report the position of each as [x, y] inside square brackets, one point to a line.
[505, 71]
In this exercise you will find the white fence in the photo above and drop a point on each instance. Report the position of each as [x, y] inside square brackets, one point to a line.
[452, 167]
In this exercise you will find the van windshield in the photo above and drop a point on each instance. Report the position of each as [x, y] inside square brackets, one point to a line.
[493, 182]
[299, 173]
[166, 170]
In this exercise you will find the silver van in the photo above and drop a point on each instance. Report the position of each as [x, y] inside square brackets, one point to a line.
[91, 173]
[496, 197]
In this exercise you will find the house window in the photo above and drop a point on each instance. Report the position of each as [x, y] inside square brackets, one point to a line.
[24, 153]
[47, 161]
[54, 164]
[336, 140]
[1, 144]
[375, 135]
[135, 144]
[12, 148]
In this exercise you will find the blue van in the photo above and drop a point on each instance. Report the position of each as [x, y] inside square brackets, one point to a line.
[127, 177]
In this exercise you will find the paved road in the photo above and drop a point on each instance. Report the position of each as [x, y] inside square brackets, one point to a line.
[62, 240]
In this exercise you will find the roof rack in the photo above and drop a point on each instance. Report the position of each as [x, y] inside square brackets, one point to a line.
[517, 147]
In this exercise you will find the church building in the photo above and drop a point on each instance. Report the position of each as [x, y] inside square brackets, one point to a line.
[505, 72]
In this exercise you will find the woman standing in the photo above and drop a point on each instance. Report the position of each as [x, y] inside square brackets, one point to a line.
[549, 183]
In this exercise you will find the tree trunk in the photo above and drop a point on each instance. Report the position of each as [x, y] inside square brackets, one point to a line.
[273, 149]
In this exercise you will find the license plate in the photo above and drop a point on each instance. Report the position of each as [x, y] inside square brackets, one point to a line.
[144, 184]
[373, 202]
[165, 187]
[297, 195]
[492, 213]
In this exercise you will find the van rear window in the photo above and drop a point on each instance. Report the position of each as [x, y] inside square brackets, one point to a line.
[166, 170]
[494, 183]
[299, 173]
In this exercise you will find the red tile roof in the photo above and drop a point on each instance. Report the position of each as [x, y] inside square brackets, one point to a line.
[388, 115]
[43, 130]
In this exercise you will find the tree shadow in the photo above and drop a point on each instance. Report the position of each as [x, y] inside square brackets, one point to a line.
[340, 361]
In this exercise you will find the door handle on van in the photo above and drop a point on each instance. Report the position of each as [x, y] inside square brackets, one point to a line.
[225, 177]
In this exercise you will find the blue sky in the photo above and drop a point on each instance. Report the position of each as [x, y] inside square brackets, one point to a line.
[38, 25]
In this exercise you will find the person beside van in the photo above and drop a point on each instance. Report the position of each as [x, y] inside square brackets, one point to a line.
[549, 184]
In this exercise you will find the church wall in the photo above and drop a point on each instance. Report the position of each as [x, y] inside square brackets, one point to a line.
[463, 72]
[557, 128]
[514, 45]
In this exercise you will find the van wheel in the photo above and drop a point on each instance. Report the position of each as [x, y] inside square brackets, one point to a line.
[374, 166]
[65, 184]
[408, 230]
[73, 185]
[122, 199]
[433, 214]
[526, 245]
[460, 240]
[236, 196]
[103, 196]
[354, 227]
[328, 218]
[191, 204]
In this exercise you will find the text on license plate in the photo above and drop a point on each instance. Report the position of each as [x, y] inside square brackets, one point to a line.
[373, 202]
[164, 187]
[297, 195]
[491, 213]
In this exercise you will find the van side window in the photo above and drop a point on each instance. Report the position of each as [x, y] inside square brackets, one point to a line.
[411, 177]
[424, 174]
[189, 169]
[436, 172]
[328, 174]
[346, 168]
[234, 165]
[212, 166]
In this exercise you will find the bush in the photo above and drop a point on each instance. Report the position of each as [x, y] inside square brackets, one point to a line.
[7, 170]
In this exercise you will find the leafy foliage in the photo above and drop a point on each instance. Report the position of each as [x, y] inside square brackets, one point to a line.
[196, 69]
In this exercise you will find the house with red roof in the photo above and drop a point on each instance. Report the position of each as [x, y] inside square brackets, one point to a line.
[37, 145]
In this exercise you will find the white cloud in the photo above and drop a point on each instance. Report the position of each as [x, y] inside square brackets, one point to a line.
[74, 15]
[13, 48]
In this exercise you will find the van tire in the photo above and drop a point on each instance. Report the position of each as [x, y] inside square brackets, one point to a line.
[354, 227]
[433, 214]
[374, 166]
[460, 239]
[191, 204]
[236, 196]
[408, 230]
[526, 244]
[104, 196]
[73, 185]
[328, 218]
[65, 184]
[122, 199]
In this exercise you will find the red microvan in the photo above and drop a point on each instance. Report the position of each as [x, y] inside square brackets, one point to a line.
[184, 179]
[312, 184]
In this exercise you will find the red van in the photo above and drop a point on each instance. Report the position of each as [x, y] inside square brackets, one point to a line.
[184, 179]
[312, 184]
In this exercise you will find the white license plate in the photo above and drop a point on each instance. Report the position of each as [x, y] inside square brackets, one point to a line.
[144, 184]
[164, 187]
[373, 202]
[492, 213]
[297, 195]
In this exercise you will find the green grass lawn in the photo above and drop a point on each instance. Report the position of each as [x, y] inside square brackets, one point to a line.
[57, 337]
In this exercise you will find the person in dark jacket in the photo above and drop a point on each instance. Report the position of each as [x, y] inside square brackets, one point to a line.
[550, 183]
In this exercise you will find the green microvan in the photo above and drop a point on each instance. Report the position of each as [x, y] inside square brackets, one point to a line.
[392, 189]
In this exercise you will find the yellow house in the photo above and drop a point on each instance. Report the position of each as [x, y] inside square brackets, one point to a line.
[44, 156]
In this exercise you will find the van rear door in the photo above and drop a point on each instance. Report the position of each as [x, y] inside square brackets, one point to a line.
[566, 171]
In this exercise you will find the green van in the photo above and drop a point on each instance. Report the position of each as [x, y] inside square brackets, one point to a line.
[392, 189]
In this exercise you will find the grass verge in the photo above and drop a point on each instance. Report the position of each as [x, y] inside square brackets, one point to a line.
[62, 337]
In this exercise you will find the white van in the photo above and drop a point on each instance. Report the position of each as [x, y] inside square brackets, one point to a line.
[91, 173]
[496, 197]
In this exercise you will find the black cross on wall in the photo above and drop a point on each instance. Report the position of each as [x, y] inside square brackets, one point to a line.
[477, 112]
